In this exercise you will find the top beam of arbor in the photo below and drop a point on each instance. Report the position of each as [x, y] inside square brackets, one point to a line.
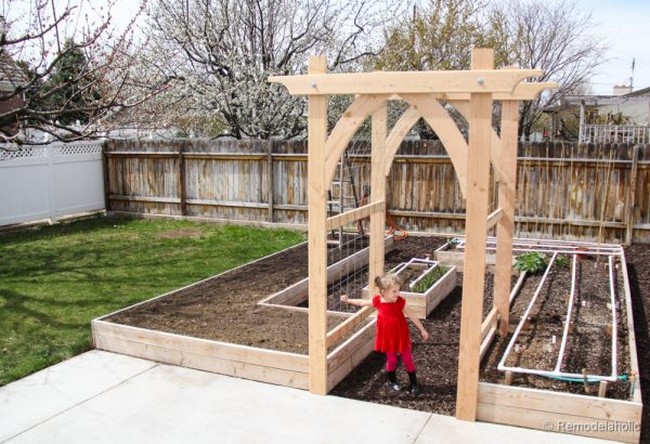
[384, 82]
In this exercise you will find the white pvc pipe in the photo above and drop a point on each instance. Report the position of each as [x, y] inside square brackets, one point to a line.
[554, 374]
[403, 265]
[511, 344]
[545, 242]
[614, 319]
[567, 321]
[569, 250]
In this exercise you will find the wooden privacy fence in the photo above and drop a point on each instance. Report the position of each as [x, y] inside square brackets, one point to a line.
[570, 191]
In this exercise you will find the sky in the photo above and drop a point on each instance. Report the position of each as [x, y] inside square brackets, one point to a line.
[624, 26]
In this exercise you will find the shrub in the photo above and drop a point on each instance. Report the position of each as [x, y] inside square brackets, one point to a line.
[533, 262]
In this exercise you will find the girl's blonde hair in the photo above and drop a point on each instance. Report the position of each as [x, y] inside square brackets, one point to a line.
[388, 280]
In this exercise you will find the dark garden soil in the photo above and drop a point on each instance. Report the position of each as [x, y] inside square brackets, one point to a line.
[224, 308]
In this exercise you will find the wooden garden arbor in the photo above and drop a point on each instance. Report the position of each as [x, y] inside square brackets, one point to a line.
[472, 93]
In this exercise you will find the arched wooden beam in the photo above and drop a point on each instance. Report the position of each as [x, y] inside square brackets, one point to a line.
[401, 128]
[523, 91]
[362, 107]
[463, 108]
[444, 126]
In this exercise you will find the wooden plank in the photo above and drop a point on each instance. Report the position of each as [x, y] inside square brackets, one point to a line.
[494, 217]
[215, 364]
[292, 295]
[347, 357]
[560, 412]
[377, 194]
[233, 156]
[170, 200]
[631, 344]
[269, 180]
[199, 346]
[506, 225]
[317, 198]
[561, 403]
[386, 82]
[615, 430]
[489, 322]
[630, 198]
[348, 325]
[486, 341]
[523, 91]
[152, 154]
[182, 187]
[478, 171]
[345, 350]
[343, 219]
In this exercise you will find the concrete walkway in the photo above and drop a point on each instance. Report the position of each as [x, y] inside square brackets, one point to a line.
[101, 397]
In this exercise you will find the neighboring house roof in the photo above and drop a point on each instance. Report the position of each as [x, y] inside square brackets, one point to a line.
[639, 92]
[635, 104]
[11, 75]
[641, 95]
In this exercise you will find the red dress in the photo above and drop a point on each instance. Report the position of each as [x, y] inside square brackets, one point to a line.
[392, 329]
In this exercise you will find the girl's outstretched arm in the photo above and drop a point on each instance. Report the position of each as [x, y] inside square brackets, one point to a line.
[357, 302]
[416, 321]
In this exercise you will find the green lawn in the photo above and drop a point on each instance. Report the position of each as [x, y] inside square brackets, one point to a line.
[55, 279]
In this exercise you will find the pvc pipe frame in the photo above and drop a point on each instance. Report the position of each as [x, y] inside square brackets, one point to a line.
[428, 262]
[550, 246]
[556, 373]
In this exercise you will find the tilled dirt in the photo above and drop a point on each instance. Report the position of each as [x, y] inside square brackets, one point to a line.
[224, 308]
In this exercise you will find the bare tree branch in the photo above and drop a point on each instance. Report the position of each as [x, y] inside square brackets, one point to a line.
[225, 51]
[36, 49]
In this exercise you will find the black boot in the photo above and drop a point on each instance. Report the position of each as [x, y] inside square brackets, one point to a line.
[413, 387]
[392, 381]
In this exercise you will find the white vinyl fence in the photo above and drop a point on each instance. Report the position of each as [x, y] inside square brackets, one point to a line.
[48, 182]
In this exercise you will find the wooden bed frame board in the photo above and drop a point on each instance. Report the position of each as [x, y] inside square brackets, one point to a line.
[549, 411]
[271, 366]
[282, 368]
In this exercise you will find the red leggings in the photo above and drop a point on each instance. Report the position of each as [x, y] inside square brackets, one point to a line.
[407, 359]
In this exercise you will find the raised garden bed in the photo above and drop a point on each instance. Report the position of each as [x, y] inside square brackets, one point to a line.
[249, 362]
[452, 252]
[569, 361]
[426, 284]
[224, 315]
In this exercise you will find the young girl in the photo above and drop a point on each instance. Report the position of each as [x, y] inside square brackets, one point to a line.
[393, 336]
